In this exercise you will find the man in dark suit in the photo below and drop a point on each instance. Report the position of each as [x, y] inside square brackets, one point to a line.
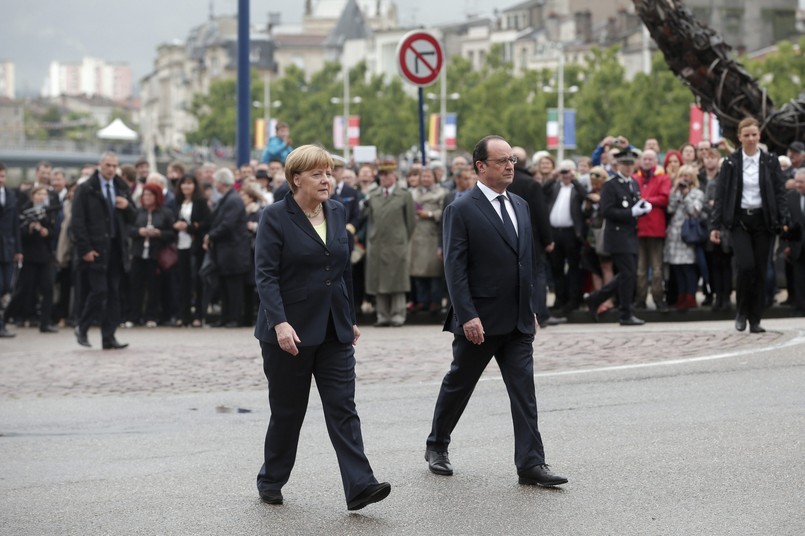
[564, 198]
[526, 187]
[621, 205]
[796, 250]
[10, 245]
[102, 211]
[230, 243]
[490, 273]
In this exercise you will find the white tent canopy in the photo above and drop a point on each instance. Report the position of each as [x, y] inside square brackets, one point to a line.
[117, 130]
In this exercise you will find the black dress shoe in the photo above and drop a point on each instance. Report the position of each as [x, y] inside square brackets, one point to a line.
[82, 338]
[48, 329]
[756, 328]
[592, 305]
[112, 344]
[382, 324]
[438, 462]
[232, 324]
[740, 322]
[541, 475]
[6, 334]
[632, 321]
[271, 496]
[374, 493]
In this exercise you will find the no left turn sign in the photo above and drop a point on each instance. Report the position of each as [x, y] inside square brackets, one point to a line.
[419, 58]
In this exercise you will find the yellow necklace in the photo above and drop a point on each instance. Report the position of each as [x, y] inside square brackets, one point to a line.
[313, 214]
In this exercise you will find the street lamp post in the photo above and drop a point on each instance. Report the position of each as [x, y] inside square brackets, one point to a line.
[345, 101]
[560, 105]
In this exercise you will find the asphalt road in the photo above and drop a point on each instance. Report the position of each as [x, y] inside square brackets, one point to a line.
[667, 429]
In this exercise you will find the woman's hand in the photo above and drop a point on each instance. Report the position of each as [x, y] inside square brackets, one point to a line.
[715, 236]
[180, 225]
[287, 338]
[356, 334]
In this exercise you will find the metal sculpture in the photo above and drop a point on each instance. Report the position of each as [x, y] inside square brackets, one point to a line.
[701, 59]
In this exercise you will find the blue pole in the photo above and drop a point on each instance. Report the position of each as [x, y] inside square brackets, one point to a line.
[243, 85]
[422, 126]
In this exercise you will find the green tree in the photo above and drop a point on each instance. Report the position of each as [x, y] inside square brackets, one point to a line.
[601, 94]
[781, 72]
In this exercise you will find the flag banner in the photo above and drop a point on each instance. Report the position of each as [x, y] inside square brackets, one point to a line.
[338, 132]
[695, 134]
[434, 130]
[260, 133]
[354, 130]
[569, 139]
[451, 131]
[552, 128]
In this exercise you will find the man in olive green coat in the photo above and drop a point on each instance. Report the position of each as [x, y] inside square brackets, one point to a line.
[390, 216]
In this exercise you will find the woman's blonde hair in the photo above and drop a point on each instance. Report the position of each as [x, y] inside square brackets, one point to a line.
[691, 172]
[303, 159]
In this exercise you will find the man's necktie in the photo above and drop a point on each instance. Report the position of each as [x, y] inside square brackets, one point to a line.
[111, 203]
[508, 226]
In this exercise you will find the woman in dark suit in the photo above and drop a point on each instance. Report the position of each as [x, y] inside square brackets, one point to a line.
[306, 327]
[36, 276]
[192, 219]
[750, 202]
[152, 230]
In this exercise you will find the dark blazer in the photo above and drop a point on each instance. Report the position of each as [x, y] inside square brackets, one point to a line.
[35, 247]
[91, 224]
[730, 188]
[300, 279]
[577, 196]
[229, 237]
[792, 198]
[199, 222]
[161, 219]
[10, 243]
[487, 276]
[618, 195]
[526, 187]
[349, 198]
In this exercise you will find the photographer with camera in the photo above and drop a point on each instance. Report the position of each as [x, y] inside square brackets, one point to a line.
[621, 206]
[607, 145]
[36, 231]
[686, 201]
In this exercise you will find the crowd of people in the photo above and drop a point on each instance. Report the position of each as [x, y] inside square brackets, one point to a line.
[178, 249]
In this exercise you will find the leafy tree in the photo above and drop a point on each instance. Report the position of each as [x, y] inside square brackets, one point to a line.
[781, 73]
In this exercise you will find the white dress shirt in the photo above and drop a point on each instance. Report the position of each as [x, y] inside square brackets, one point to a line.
[560, 213]
[492, 195]
[750, 196]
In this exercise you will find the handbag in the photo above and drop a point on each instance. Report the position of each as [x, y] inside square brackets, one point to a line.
[694, 231]
[167, 257]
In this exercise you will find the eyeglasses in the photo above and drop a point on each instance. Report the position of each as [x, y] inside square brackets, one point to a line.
[596, 176]
[503, 161]
[565, 171]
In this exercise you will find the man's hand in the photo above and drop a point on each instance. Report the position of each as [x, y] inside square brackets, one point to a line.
[121, 202]
[549, 247]
[715, 236]
[474, 331]
[356, 334]
[90, 256]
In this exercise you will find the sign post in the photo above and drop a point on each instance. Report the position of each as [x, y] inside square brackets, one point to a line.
[420, 60]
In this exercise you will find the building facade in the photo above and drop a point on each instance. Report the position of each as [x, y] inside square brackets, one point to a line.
[7, 80]
[91, 77]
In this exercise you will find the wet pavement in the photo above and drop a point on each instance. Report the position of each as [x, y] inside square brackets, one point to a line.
[661, 429]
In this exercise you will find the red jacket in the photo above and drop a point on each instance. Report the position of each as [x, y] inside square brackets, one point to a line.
[656, 190]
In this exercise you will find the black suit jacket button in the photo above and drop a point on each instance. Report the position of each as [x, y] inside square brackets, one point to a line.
[327, 268]
[326, 253]
[328, 283]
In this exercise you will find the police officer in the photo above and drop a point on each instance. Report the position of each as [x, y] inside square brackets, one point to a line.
[621, 205]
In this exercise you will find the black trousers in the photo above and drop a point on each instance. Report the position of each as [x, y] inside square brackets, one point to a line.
[565, 262]
[232, 298]
[190, 288]
[100, 287]
[333, 365]
[623, 284]
[64, 282]
[798, 272]
[36, 278]
[720, 266]
[751, 244]
[145, 296]
[514, 354]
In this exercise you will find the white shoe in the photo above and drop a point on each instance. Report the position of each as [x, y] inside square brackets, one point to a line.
[150, 324]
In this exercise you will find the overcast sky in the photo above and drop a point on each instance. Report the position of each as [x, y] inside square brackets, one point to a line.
[36, 32]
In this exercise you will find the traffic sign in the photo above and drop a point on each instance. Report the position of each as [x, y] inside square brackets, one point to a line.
[419, 58]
